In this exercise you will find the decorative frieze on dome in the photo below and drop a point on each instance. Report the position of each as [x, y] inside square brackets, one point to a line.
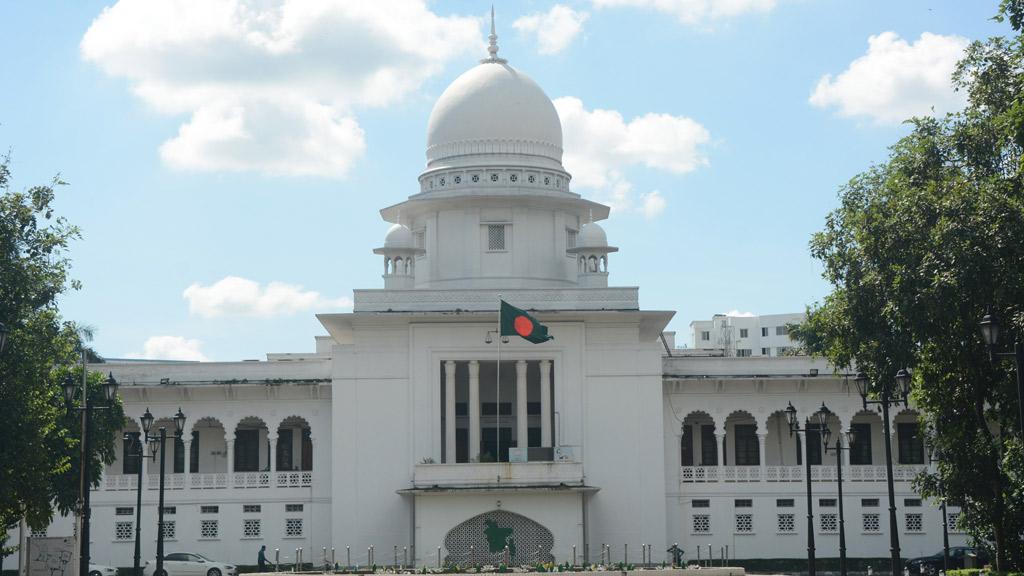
[483, 178]
[449, 150]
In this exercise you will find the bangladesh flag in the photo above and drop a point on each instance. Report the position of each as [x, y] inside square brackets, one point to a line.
[516, 322]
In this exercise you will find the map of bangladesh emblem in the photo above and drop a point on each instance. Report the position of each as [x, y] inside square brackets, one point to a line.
[482, 540]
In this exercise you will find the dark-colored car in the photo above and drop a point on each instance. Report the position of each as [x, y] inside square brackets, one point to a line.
[958, 555]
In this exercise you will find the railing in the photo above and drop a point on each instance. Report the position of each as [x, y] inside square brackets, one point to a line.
[483, 474]
[171, 481]
[120, 482]
[691, 474]
[252, 479]
[294, 479]
[206, 480]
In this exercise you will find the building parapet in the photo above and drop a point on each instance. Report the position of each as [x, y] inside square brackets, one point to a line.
[618, 298]
[494, 475]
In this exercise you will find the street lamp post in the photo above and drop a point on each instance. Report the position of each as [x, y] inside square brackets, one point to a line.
[934, 457]
[110, 394]
[138, 445]
[887, 398]
[161, 440]
[820, 417]
[838, 449]
[990, 331]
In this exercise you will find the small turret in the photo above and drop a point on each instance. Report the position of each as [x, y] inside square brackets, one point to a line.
[399, 253]
[591, 252]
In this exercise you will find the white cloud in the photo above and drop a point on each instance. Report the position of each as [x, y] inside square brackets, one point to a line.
[273, 86]
[170, 348]
[600, 145]
[554, 29]
[896, 80]
[234, 296]
[737, 314]
[693, 12]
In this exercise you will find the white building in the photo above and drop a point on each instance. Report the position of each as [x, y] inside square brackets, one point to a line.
[745, 336]
[386, 434]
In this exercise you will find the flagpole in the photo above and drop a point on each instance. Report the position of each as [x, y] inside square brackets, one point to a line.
[497, 430]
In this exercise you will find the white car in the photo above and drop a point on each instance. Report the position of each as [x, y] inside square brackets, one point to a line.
[189, 564]
[100, 570]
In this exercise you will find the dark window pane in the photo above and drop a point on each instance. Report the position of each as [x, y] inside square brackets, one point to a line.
[748, 452]
[247, 451]
[179, 456]
[686, 446]
[130, 460]
[860, 451]
[813, 444]
[284, 449]
[708, 445]
[307, 449]
[911, 445]
[193, 455]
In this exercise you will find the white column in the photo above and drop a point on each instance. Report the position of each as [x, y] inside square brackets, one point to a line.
[761, 444]
[474, 410]
[449, 411]
[272, 440]
[521, 427]
[187, 475]
[231, 460]
[719, 441]
[545, 403]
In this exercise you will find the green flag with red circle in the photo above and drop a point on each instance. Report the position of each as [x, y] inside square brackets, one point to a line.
[516, 322]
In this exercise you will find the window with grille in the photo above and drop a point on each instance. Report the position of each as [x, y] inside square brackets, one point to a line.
[124, 511]
[869, 502]
[170, 509]
[765, 352]
[827, 502]
[496, 237]
[250, 507]
[913, 522]
[744, 503]
[701, 523]
[700, 503]
[251, 528]
[828, 522]
[419, 239]
[38, 533]
[951, 521]
[860, 451]
[686, 446]
[744, 332]
[124, 530]
[293, 507]
[705, 335]
[784, 502]
[912, 502]
[744, 523]
[209, 509]
[168, 528]
[764, 332]
[570, 239]
[787, 522]
[208, 529]
[293, 527]
[870, 522]
[708, 445]
[781, 330]
[743, 352]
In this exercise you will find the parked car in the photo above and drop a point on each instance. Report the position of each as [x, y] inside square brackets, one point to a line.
[189, 564]
[101, 570]
[928, 565]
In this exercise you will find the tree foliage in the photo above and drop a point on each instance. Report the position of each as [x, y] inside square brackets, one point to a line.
[40, 452]
[919, 249]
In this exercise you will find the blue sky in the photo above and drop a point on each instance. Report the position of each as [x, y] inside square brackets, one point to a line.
[743, 164]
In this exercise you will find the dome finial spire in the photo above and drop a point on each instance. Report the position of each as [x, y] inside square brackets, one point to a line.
[492, 46]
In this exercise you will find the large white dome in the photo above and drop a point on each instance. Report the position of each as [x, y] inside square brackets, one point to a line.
[493, 109]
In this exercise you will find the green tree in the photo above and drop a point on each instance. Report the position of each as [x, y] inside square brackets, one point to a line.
[40, 452]
[917, 252]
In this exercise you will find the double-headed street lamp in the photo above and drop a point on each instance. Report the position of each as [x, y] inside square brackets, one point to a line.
[990, 331]
[109, 394]
[820, 419]
[138, 447]
[160, 440]
[892, 393]
[838, 448]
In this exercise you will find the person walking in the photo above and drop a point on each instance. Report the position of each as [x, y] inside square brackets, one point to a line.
[262, 558]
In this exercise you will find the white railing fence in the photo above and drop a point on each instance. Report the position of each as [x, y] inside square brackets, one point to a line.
[900, 473]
